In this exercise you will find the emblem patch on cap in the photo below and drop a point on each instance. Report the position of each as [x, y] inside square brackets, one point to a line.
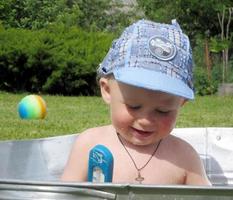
[162, 48]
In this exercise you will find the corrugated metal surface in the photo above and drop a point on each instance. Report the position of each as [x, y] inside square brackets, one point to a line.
[38, 159]
[214, 145]
[44, 190]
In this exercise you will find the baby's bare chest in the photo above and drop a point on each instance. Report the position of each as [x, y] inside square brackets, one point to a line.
[132, 166]
[156, 171]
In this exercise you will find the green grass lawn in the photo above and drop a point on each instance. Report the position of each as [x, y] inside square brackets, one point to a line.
[67, 115]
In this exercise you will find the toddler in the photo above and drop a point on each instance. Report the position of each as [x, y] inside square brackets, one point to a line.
[145, 79]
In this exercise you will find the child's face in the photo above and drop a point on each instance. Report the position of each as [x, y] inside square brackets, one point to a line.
[140, 116]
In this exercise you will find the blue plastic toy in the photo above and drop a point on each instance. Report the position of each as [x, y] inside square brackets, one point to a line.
[100, 166]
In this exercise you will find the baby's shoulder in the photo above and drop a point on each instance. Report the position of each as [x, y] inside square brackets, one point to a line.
[94, 135]
[96, 131]
[181, 152]
[179, 145]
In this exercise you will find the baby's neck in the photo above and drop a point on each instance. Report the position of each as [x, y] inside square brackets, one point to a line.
[143, 149]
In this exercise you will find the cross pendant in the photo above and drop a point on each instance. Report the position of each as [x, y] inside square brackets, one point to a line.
[139, 178]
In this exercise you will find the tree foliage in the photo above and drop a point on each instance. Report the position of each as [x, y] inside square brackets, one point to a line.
[200, 21]
[32, 14]
[195, 16]
[55, 45]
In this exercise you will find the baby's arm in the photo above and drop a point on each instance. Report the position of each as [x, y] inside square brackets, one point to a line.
[77, 165]
[196, 174]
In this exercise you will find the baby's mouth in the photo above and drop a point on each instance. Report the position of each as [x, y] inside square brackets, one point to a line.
[142, 132]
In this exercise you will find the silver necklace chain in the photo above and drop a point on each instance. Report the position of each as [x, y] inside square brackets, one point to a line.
[139, 178]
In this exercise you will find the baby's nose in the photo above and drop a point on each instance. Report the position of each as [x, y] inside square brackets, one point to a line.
[147, 120]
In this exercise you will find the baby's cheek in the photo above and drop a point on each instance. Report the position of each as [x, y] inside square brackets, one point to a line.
[121, 119]
[168, 123]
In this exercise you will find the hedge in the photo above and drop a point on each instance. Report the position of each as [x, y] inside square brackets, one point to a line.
[63, 60]
[56, 60]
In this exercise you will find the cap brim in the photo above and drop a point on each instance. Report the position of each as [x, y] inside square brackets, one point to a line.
[153, 80]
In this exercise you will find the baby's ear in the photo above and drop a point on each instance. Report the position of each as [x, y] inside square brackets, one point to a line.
[105, 89]
[184, 101]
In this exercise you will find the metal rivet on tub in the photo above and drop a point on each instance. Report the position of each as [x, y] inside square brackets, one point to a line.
[218, 137]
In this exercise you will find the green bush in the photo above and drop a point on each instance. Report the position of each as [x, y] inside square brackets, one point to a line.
[56, 60]
[230, 72]
[15, 59]
[204, 86]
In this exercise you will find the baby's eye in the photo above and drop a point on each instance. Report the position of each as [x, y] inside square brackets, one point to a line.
[133, 107]
[163, 111]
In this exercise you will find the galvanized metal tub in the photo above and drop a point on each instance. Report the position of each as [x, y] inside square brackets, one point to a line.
[89, 191]
[30, 169]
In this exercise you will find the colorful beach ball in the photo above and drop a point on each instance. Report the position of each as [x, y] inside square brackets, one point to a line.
[32, 107]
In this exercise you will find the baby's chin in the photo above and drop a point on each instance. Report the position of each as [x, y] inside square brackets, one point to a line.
[137, 140]
[143, 143]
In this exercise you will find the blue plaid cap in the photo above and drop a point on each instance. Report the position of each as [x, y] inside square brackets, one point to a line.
[152, 56]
